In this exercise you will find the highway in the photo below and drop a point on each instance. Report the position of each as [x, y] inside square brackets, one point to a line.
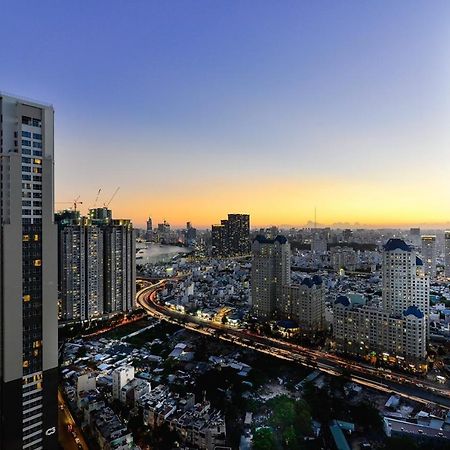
[405, 385]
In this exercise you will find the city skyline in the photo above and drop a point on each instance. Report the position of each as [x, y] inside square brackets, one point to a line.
[199, 110]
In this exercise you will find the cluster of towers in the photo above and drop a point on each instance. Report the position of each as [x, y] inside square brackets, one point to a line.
[96, 264]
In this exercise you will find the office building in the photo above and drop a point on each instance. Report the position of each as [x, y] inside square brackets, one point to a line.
[271, 270]
[429, 255]
[28, 265]
[232, 236]
[96, 264]
[447, 253]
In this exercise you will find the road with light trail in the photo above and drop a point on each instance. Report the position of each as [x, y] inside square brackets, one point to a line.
[389, 382]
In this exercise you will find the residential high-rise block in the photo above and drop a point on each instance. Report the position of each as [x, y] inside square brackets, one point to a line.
[271, 270]
[305, 304]
[447, 253]
[362, 330]
[397, 331]
[191, 234]
[28, 267]
[96, 264]
[80, 266]
[219, 239]
[429, 255]
[238, 234]
[232, 236]
[120, 266]
[404, 281]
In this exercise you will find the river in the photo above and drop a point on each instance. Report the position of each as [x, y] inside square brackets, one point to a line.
[157, 253]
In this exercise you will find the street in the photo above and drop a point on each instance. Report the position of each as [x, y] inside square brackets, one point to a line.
[66, 438]
[361, 373]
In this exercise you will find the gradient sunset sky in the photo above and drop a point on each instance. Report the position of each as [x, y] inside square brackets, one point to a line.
[200, 108]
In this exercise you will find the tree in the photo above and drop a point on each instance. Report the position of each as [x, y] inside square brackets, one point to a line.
[263, 439]
[290, 439]
[367, 415]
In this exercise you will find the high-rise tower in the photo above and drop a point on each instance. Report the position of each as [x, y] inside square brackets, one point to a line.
[404, 281]
[429, 255]
[271, 270]
[28, 269]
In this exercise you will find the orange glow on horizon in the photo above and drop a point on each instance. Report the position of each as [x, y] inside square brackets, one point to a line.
[278, 202]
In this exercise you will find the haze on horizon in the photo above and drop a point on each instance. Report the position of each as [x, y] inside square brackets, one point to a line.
[197, 109]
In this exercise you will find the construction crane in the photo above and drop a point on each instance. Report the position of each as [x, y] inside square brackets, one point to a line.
[75, 202]
[96, 198]
[112, 197]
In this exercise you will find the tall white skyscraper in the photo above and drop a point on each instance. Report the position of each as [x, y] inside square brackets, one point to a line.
[429, 255]
[28, 268]
[397, 332]
[271, 270]
[404, 280]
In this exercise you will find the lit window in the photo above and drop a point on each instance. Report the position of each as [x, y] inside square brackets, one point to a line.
[26, 297]
[37, 263]
[26, 237]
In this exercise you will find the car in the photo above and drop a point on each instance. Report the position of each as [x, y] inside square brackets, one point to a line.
[80, 447]
[77, 440]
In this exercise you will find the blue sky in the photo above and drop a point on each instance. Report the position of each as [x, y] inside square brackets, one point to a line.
[199, 108]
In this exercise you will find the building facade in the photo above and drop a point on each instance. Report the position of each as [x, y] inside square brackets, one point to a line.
[271, 270]
[97, 270]
[429, 255]
[398, 330]
[28, 265]
[120, 266]
[120, 377]
[404, 281]
[80, 267]
[364, 330]
[305, 304]
[232, 236]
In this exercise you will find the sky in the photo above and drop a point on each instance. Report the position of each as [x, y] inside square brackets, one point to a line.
[199, 108]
